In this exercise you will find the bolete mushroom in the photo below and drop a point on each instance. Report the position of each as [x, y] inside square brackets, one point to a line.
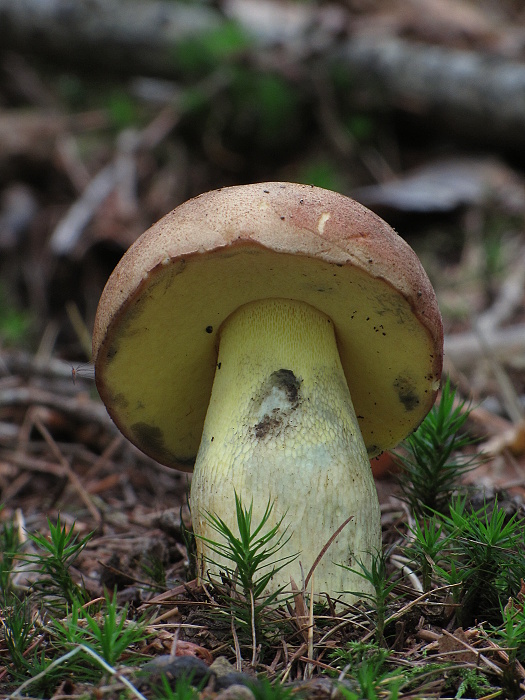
[279, 336]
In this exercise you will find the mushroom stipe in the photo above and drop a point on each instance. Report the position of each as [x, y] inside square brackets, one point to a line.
[322, 347]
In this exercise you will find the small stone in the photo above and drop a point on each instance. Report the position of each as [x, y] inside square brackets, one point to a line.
[235, 692]
[234, 678]
[176, 667]
[227, 675]
[221, 666]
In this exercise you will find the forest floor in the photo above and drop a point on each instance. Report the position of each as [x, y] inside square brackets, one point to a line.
[87, 163]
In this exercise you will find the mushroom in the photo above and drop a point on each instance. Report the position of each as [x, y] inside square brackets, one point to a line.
[277, 336]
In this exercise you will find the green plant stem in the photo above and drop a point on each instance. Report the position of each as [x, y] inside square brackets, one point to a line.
[70, 655]
[246, 560]
[430, 467]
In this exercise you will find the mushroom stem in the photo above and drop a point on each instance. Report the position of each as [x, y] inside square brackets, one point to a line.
[281, 427]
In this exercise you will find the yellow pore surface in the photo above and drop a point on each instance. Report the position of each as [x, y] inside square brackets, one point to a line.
[158, 367]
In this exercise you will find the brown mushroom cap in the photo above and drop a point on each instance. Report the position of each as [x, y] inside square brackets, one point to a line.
[157, 326]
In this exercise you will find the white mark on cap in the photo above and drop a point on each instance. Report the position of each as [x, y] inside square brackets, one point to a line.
[322, 222]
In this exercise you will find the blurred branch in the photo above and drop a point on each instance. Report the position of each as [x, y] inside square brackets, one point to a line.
[36, 132]
[464, 349]
[464, 89]
[491, 338]
[113, 35]
[70, 227]
[119, 174]
[467, 90]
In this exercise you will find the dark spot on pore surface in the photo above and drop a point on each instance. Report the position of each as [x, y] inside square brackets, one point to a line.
[149, 437]
[406, 391]
[119, 400]
[209, 329]
[112, 351]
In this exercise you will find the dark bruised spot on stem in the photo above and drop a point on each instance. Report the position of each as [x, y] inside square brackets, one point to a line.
[285, 379]
[268, 423]
[282, 391]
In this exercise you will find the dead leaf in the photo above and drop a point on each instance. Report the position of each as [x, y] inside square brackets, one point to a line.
[455, 646]
[300, 610]
[512, 440]
[191, 649]
[516, 604]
